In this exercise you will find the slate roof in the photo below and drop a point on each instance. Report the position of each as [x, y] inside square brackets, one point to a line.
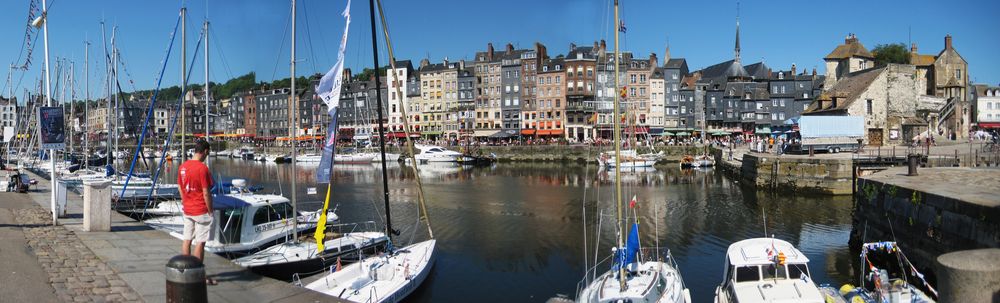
[846, 90]
[728, 69]
[922, 60]
[757, 70]
[850, 48]
[676, 63]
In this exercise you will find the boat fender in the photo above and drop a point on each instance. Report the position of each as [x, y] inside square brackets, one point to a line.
[781, 258]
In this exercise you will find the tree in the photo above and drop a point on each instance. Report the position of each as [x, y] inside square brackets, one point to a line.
[891, 53]
[366, 74]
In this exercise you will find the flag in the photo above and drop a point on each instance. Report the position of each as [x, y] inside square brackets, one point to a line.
[621, 25]
[631, 204]
[329, 91]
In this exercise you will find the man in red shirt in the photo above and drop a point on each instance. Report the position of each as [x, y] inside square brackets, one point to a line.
[195, 182]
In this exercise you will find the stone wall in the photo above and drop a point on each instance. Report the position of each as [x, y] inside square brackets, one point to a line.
[925, 224]
[825, 176]
[569, 153]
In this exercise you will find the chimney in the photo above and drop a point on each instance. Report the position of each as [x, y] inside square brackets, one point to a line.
[510, 48]
[947, 42]
[489, 51]
[851, 38]
[814, 72]
[913, 47]
[543, 53]
[347, 74]
[445, 62]
[595, 45]
[461, 64]
[604, 45]
[652, 60]
[793, 69]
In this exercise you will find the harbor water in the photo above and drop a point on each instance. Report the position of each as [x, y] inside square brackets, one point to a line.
[514, 232]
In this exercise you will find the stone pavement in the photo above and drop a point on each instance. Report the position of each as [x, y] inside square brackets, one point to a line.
[138, 255]
[18, 260]
[973, 185]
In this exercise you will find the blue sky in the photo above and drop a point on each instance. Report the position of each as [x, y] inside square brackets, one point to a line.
[247, 35]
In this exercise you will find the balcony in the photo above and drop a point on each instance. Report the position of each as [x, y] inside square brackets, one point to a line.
[579, 107]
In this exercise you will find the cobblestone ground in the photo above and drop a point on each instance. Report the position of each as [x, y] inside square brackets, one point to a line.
[76, 274]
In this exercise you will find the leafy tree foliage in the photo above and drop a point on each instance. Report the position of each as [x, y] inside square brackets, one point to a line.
[891, 53]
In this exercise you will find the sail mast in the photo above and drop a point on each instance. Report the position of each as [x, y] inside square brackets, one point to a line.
[378, 100]
[184, 82]
[86, 104]
[617, 144]
[292, 114]
[208, 93]
[406, 125]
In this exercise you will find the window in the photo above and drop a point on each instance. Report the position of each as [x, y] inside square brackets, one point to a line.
[868, 106]
[796, 271]
[958, 73]
[748, 273]
[272, 213]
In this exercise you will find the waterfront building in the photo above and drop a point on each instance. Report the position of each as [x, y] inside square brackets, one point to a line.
[438, 93]
[946, 75]
[412, 98]
[406, 82]
[272, 112]
[581, 76]
[549, 118]
[674, 71]
[8, 112]
[510, 73]
[692, 103]
[657, 102]
[488, 86]
[637, 89]
[532, 61]
[352, 114]
[466, 109]
[986, 106]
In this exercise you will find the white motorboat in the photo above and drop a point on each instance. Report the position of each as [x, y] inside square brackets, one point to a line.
[766, 270]
[432, 153]
[389, 157]
[245, 222]
[224, 153]
[629, 158]
[309, 158]
[285, 260]
[245, 153]
[385, 278]
[353, 158]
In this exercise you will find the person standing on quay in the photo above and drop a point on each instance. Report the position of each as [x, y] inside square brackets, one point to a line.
[195, 183]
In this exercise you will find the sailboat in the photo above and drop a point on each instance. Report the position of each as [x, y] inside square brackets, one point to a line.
[888, 273]
[291, 258]
[636, 275]
[391, 276]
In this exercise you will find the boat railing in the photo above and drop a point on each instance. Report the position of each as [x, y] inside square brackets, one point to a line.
[646, 254]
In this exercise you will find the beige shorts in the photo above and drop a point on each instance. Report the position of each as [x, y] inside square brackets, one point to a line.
[198, 229]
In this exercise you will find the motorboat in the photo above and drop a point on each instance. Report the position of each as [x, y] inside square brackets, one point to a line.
[245, 153]
[885, 274]
[309, 158]
[432, 153]
[629, 158]
[291, 259]
[389, 277]
[353, 158]
[245, 222]
[224, 153]
[766, 270]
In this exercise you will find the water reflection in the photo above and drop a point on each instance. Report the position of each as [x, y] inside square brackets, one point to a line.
[515, 232]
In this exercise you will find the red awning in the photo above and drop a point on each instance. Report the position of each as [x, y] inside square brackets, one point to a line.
[989, 124]
[396, 135]
[528, 132]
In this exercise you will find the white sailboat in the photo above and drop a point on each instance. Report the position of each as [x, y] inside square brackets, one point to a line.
[394, 275]
[637, 275]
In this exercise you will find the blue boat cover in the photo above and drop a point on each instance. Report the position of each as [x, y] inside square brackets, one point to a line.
[223, 202]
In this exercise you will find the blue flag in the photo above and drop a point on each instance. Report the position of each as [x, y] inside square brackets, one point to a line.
[329, 149]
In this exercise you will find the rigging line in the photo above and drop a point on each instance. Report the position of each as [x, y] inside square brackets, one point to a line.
[312, 53]
[322, 39]
[281, 47]
[218, 43]
[32, 6]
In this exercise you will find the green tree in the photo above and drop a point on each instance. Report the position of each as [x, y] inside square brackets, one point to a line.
[366, 74]
[891, 53]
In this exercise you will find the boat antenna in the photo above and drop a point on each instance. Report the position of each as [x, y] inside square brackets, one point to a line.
[764, 215]
[378, 103]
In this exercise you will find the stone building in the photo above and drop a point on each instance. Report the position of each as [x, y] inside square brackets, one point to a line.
[946, 75]
[488, 87]
[438, 95]
[885, 96]
[637, 89]
[8, 112]
[531, 62]
[550, 117]
[847, 58]
[657, 102]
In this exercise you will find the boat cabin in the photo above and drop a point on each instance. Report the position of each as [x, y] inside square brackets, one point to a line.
[767, 270]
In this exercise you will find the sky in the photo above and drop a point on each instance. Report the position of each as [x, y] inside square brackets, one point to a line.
[253, 35]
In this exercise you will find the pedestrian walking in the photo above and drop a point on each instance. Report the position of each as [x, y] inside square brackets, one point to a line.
[195, 183]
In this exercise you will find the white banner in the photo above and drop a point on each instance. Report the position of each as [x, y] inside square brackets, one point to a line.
[329, 86]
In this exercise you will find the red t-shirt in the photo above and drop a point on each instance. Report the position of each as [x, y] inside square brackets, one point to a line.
[193, 179]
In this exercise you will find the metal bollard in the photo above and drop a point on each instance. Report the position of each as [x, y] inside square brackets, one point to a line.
[186, 280]
[912, 161]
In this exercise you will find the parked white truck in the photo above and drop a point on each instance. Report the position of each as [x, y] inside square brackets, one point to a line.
[832, 134]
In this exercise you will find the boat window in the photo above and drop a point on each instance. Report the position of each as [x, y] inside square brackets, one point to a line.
[796, 271]
[231, 226]
[747, 273]
[774, 272]
[273, 212]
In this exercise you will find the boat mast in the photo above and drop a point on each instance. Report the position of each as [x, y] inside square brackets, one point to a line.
[381, 132]
[406, 125]
[617, 144]
[292, 120]
[72, 104]
[114, 86]
[107, 83]
[184, 82]
[208, 94]
[86, 104]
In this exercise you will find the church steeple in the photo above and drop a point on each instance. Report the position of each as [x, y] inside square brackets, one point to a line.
[737, 50]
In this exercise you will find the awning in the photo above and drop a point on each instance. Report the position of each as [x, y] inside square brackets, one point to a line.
[527, 132]
[482, 133]
[550, 132]
[396, 135]
[989, 124]
[668, 134]
[432, 133]
[792, 121]
[504, 134]
[721, 133]
[683, 134]
[656, 131]
[763, 130]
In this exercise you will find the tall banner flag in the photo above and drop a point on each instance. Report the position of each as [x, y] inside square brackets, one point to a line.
[329, 90]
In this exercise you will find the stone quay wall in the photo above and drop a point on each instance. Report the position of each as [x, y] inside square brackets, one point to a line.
[820, 176]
